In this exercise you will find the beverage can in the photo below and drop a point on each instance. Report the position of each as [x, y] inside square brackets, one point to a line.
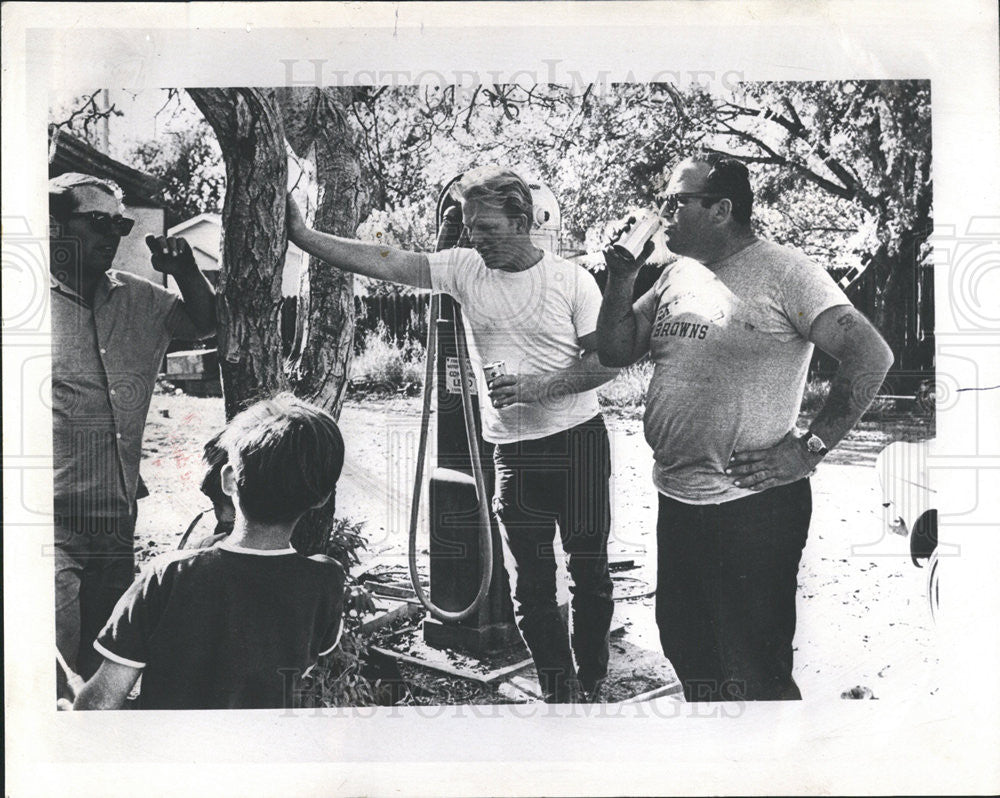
[494, 370]
[631, 244]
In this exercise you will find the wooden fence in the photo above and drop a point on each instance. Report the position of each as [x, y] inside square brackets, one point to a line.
[403, 316]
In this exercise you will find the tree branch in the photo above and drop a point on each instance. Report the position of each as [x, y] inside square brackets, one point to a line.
[797, 130]
[88, 113]
[805, 171]
[472, 106]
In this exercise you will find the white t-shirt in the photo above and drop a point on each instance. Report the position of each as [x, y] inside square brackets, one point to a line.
[730, 350]
[531, 320]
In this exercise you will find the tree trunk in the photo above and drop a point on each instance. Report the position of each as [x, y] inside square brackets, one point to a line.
[252, 140]
[251, 133]
[317, 128]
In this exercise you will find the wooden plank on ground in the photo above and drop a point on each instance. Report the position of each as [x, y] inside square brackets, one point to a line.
[664, 691]
[403, 609]
[452, 670]
[393, 589]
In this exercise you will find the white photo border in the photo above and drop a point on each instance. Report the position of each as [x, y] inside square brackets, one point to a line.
[947, 743]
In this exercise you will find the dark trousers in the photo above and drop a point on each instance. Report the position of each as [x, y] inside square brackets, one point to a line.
[559, 482]
[725, 598]
[94, 566]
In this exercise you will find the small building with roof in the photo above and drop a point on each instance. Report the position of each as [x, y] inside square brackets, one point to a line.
[204, 235]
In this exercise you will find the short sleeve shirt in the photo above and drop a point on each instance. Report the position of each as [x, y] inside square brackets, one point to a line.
[731, 353]
[105, 359]
[531, 320]
[226, 627]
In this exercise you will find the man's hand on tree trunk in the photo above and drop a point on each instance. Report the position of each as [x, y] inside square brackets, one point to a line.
[295, 223]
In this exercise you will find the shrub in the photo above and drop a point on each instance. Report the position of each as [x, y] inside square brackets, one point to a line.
[383, 366]
[628, 389]
[814, 395]
[337, 679]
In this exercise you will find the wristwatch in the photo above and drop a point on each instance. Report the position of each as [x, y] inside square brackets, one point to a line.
[814, 443]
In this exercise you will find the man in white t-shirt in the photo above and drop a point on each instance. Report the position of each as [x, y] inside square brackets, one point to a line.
[538, 314]
[730, 328]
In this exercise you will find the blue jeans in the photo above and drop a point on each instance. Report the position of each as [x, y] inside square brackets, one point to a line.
[725, 599]
[560, 481]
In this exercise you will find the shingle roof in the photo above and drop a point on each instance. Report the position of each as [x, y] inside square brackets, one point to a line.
[74, 155]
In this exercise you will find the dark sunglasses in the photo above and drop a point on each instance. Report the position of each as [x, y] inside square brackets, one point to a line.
[105, 223]
[673, 201]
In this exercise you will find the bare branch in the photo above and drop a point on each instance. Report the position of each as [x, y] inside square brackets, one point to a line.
[88, 113]
[790, 110]
[172, 95]
[472, 106]
[780, 160]
[795, 127]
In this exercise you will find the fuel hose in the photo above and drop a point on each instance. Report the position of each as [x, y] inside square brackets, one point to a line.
[472, 437]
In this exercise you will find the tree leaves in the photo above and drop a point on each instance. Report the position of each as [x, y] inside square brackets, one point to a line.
[189, 162]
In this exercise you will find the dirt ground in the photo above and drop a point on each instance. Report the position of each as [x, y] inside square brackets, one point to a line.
[863, 619]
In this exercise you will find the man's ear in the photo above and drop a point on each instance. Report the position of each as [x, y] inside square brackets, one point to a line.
[724, 209]
[55, 227]
[228, 479]
[523, 224]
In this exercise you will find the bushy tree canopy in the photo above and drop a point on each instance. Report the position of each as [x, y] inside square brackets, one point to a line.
[841, 169]
[189, 162]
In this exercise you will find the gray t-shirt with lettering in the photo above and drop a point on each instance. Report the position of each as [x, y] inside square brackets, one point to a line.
[730, 350]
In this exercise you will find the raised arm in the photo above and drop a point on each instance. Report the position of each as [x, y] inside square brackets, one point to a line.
[622, 334]
[173, 256]
[370, 260]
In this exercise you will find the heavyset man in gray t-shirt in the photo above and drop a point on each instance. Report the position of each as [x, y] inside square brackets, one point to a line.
[730, 328]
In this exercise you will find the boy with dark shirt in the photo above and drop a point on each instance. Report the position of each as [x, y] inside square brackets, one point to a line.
[235, 625]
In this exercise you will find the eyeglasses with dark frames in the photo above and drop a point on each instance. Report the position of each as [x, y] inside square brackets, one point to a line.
[673, 201]
[105, 223]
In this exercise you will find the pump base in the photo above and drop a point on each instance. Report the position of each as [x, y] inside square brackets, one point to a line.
[472, 639]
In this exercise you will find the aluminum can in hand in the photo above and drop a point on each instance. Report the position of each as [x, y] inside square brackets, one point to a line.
[632, 242]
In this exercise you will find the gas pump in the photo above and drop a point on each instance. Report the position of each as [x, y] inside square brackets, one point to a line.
[469, 601]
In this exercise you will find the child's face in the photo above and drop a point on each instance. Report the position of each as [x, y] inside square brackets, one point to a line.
[225, 514]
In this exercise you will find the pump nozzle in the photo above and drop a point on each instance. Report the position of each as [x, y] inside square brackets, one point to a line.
[451, 228]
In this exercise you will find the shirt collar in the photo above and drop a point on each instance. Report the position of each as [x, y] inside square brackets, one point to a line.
[111, 279]
[61, 287]
[225, 544]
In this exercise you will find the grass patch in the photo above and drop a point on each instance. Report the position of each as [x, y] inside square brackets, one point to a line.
[882, 408]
